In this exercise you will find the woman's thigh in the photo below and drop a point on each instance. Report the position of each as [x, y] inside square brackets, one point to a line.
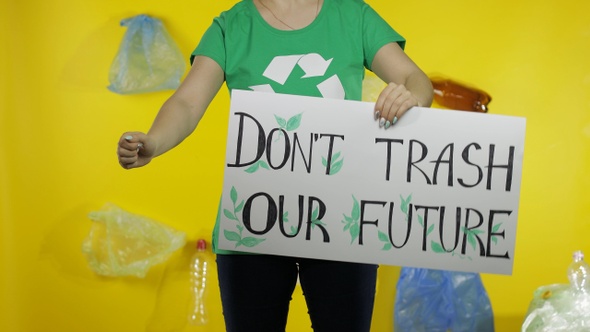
[339, 295]
[256, 291]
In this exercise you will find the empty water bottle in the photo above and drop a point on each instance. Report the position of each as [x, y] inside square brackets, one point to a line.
[579, 273]
[198, 270]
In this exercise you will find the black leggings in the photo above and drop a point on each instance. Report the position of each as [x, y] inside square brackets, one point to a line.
[256, 291]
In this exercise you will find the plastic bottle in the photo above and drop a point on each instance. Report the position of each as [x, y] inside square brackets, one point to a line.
[198, 274]
[579, 273]
[456, 96]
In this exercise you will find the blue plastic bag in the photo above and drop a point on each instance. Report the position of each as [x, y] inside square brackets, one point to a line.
[148, 60]
[441, 301]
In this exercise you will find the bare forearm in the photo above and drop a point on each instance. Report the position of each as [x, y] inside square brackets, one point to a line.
[174, 122]
[180, 114]
[392, 65]
[420, 86]
[177, 118]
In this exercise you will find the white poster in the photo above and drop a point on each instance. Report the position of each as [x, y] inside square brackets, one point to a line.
[314, 177]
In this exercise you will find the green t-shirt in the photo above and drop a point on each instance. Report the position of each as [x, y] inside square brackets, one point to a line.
[325, 59]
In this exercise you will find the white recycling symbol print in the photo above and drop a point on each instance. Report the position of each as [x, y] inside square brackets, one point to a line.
[312, 64]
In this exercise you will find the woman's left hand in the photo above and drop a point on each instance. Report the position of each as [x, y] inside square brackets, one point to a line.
[392, 103]
[409, 85]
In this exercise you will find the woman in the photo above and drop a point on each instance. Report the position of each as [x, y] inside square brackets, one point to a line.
[306, 47]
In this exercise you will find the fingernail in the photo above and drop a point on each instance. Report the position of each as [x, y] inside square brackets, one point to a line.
[377, 114]
[381, 122]
[394, 120]
[129, 137]
[139, 145]
[387, 124]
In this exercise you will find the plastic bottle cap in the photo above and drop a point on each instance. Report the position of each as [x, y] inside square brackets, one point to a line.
[578, 255]
[201, 244]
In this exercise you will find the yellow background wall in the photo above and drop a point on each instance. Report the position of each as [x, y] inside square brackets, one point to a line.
[59, 126]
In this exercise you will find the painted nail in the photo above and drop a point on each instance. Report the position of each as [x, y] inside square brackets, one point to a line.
[394, 120]
[377, 114]
[129, 137]
[387, 124]
[381, 122]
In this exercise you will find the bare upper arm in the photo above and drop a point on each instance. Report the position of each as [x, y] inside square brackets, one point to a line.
[200, 85]
[392, 64]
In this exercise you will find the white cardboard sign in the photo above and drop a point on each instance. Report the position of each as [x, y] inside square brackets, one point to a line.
[313, 177]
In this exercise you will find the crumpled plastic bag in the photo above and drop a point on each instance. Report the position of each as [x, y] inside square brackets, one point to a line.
[124, 244]
[148, 59]
[558, 308]
[440, 301]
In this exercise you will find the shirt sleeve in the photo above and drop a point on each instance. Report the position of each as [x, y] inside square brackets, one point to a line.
[212, 43]
[377, 33]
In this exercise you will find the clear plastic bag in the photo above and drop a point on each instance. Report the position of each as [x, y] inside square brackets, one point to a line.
[562, 307]
[124, 244]
[441, 301]
[148, 59]
[556, 308]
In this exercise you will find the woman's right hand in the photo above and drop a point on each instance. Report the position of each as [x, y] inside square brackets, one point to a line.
[135, 149]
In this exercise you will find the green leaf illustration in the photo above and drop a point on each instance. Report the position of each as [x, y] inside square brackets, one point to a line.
[384, 238]
[252, 168]
[317, 222]
[256, 166]
[233, 194]
[421, 221]
[229, 215]
[471, 240]
[355, 214]
[263, 164]
[232, 236]
[471, 234]
[436, 247]
[496, 228]
[294, 122]
[336, 167]
[315, 213]
[314, 218]
[237, 236]
[335, 164]
[430, 229]
[404, 204]
[351, 223]
[282, 122]
[250, 241]
[240, 206]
